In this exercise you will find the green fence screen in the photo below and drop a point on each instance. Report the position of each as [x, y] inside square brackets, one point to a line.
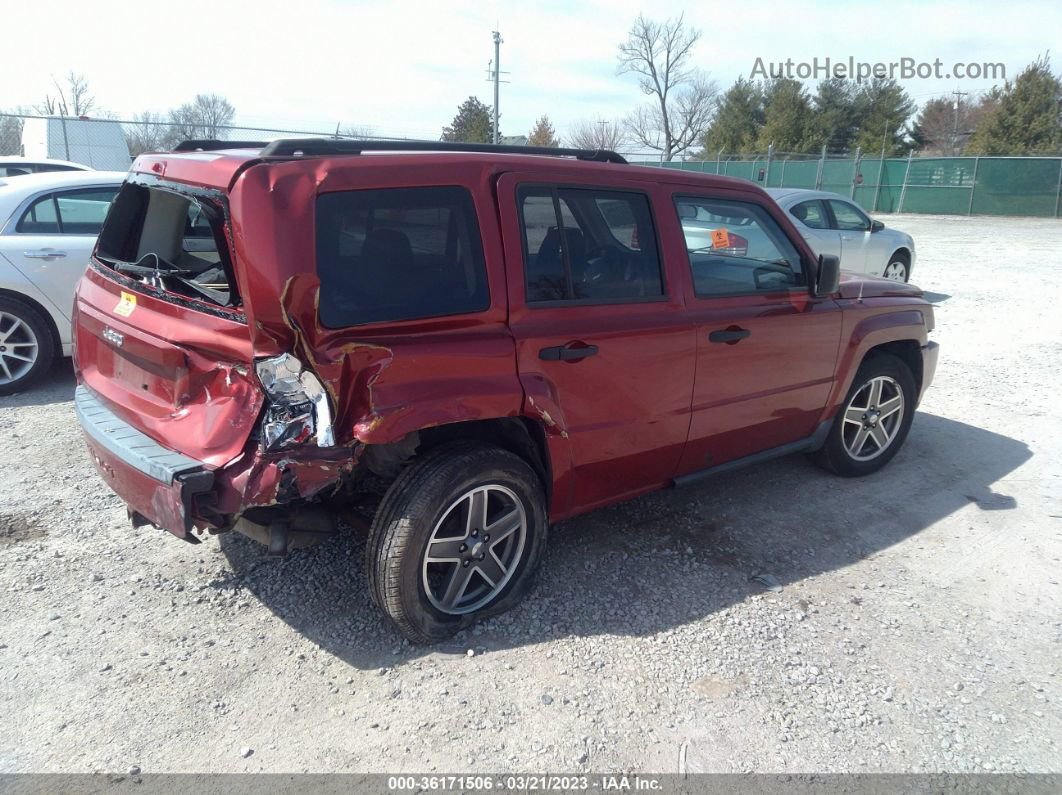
[1030, 186]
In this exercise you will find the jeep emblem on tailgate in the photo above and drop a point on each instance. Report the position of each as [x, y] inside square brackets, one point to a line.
[113, 337]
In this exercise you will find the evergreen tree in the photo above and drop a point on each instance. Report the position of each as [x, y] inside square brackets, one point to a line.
[738, 117]
[884, 109]
[1028, 117]
[788, 120]
[543, 133]
[837, 112]
[933, 132]
[473, 123]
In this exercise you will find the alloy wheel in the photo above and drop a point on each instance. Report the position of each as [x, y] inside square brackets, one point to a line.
[897, 271]
[18, 348]
[474, 549]
[873, 418]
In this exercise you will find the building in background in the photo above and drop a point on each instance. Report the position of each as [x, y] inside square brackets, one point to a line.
[99, 144]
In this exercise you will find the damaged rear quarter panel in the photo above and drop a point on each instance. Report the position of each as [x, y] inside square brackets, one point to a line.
[385, 379]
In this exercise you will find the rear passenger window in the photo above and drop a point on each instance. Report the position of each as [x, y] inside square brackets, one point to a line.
[41, 218]
[398, 254]
[70, 213]
[583, 244]
[83, 212]
[736, 248]
[812, 214]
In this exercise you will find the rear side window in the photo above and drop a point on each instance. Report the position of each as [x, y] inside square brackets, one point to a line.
[584, 244]
[398, 254]
[48, 167]
[812, 214]
[78, 212]
[40, 218]
[83, 212]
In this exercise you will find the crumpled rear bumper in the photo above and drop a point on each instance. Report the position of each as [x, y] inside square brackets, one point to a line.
[158, 484]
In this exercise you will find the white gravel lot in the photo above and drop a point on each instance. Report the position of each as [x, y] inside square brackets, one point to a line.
[917, 628]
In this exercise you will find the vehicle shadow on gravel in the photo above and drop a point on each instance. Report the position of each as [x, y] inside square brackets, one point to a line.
[664, 560]
[55, 386]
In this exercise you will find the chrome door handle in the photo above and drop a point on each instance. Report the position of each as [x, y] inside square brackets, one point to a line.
[44, 253]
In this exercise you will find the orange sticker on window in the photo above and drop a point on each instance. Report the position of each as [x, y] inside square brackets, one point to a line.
[126, 305]
[720, 238]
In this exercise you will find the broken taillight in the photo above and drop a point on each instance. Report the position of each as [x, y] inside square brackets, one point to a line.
[297, 408]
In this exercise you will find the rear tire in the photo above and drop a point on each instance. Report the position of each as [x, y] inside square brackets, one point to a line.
[874, 419]
[431, 597]
[27, 349]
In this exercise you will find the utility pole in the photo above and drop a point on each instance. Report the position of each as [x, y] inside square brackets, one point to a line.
[955, 125]
[497, 79]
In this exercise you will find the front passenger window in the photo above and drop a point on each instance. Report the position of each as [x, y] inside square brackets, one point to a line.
[848, 217]
[736, 248]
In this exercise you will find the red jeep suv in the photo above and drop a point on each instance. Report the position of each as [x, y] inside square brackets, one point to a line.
[463, 344]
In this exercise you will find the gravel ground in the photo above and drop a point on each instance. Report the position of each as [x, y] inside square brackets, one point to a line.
[910, 621]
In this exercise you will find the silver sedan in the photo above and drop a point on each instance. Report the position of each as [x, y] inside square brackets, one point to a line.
[48, 226]
[835, 225]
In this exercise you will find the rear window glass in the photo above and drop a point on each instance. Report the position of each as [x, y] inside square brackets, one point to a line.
[398, 254]
[171, 240]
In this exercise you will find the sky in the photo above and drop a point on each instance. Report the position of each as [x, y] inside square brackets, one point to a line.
[402, 68]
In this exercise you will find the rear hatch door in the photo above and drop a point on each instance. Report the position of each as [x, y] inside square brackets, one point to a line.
[160, 333]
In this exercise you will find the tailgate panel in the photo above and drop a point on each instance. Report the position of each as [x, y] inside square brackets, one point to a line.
[178, 374]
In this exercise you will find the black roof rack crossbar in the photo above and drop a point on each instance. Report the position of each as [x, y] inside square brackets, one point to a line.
[308, 147]
[211, 144]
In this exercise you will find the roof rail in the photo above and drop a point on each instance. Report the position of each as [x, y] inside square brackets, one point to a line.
[211, 144]
[308, 147]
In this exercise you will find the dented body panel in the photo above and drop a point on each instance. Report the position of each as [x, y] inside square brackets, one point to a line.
[655, 404]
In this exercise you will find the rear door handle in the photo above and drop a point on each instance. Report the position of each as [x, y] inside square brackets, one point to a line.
[572, 352]
[729, 335]
[44, 253]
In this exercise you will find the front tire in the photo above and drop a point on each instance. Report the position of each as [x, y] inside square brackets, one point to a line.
[26, 346]
[899, 268]
[874, 420]
[458, 537]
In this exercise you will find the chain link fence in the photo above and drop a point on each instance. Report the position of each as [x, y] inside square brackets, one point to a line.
[1020, 186]
[95, 142]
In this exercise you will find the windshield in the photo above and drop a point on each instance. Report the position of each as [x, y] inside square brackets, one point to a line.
[171, 240]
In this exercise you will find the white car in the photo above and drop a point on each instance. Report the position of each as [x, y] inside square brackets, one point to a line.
[11, 166]
[48, 227]
[835, 225]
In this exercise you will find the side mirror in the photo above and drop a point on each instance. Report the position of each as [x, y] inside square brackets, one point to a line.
[829, 281]
[876, 226]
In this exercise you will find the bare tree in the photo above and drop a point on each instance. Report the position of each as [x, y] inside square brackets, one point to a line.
[78, 98]
[597, 134]
[205, 117]
[355, 131]
[48, 107]
[683, 97]
[11, 132]
[75, 100]
[148, 132]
